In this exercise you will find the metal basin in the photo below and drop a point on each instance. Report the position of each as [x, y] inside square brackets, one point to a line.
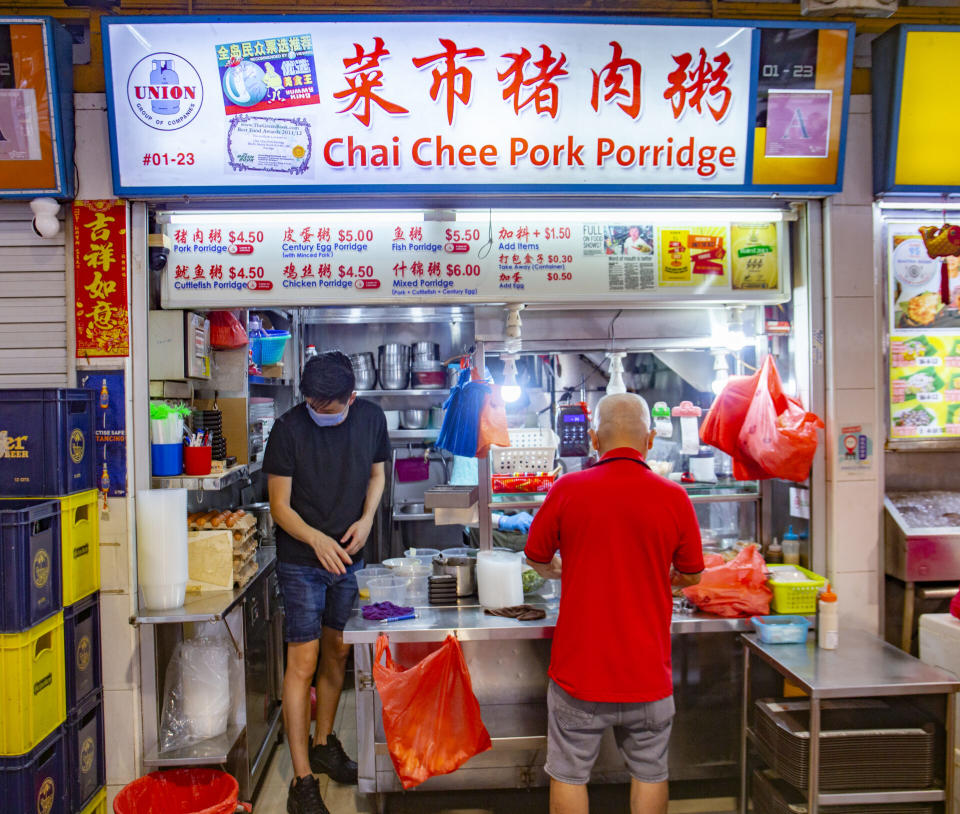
[463, 568]
[261, 512]
[412, 508]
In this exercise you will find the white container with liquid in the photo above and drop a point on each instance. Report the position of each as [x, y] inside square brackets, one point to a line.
[499, 583]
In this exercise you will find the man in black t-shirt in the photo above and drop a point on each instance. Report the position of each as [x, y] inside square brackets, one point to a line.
[325, 462]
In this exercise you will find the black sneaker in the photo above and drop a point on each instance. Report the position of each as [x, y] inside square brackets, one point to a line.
[304, 797]
[330, 759]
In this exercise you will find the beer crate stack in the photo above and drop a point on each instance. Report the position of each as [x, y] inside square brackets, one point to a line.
[52, 756]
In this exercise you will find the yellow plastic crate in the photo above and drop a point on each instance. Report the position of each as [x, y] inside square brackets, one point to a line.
[80, 534]
[79, 545]
[796, 597]
[98, 805]
[33, 698]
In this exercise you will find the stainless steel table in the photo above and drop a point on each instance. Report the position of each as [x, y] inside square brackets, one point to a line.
[863, 666]
[508, 663]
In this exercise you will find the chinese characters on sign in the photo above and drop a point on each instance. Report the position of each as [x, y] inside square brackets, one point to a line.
[100, 275]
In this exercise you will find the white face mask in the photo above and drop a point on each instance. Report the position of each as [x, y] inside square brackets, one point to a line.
[328, 419]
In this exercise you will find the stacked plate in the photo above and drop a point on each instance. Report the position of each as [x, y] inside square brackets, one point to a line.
[211, 422]
[442, 590]
[772, 795]
[865, 743]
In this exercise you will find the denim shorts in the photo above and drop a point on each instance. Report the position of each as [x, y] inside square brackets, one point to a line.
[315, 598]
[575, 729]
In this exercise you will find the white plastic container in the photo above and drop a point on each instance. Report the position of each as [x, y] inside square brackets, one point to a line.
[388, 589]
[499, 583]
[828, 620]
[162, 562]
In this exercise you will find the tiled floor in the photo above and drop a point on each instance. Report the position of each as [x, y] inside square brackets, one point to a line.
[272, 798]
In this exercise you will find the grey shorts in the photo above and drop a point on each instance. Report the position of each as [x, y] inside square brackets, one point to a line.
[575, 728]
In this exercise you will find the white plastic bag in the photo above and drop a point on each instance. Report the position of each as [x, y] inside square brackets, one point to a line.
[196, 702]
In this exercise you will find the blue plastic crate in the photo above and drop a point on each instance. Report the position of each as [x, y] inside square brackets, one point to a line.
[47, 445]
[86, 762]
[30, 568]
[268, 350]
[81, 642]
[36, 781]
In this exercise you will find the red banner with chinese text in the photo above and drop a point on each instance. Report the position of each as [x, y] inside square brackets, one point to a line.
[100, 278]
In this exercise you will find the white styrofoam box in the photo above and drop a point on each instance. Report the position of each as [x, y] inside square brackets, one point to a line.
[940, 647]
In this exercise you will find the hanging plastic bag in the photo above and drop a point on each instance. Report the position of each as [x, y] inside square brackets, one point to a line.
[721, 428]
[226, 332]
[735, 588]
[461, 417]
[778, 434]
[955, 606]
[493, 423]
[430, 715]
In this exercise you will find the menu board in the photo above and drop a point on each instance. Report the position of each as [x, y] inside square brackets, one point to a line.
[316, 258]
[924, 312]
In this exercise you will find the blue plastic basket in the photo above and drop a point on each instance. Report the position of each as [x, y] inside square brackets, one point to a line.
[36, 781]
[86, 765]
[268, 350]
[781, 629]
[81, 644]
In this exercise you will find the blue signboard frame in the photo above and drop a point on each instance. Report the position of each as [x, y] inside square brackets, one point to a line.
[460, 191]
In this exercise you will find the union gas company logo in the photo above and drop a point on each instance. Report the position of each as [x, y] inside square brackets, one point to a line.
[46, 796]
[164, 91]
[41, 568]
[77, 446]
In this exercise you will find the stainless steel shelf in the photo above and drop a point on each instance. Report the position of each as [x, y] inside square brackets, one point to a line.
[206, 752]
[209, 483]
[518, 501]
[205, 606]
[412, 435]
[437, 395]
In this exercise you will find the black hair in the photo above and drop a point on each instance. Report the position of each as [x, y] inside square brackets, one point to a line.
[328, 377]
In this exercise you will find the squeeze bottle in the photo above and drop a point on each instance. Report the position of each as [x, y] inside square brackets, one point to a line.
[828, 623]
[774, 552]
[791, 547]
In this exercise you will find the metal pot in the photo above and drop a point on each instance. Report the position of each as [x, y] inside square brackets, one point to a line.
[463, 568]
[261, 512]
[366, 378]
[453, 375]
[393, 377]
[394, 352]
[414, 419]
[424, 351]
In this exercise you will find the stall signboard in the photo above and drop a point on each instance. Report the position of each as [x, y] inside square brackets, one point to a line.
[924, 325]
[270, 106]
[304, 258]
[36, 108]
[100, 278]
[914, 71]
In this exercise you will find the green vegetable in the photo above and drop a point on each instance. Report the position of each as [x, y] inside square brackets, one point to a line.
[532, 581]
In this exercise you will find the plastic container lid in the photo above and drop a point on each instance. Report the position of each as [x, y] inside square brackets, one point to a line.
[790, 535]
[826, 595]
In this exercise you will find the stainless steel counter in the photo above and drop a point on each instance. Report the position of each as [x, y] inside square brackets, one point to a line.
[862, 666]
[468, 623]
[206, 606]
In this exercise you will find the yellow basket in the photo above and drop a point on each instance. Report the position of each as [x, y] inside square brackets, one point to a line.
[796, 597]
[33, 698]
[98, 805]
[79, 545]
[80, 557]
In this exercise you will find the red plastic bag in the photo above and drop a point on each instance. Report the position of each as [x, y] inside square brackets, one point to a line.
[226, 332]
[735, 588]
[955, 606]
[430, 715]
[194, 791]
[778, 434]
[721, 428]
[492, 429]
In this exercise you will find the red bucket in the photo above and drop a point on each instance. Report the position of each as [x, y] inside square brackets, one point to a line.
[179, 791]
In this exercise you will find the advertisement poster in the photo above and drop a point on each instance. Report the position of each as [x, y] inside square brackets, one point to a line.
[100, 278]
[237, 260]
[694, 256]
[798, 123]
[925, 385]
[110, 429]
[855, 448]
[753, 262]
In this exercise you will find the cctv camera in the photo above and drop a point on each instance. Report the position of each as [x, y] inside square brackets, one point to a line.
[159, 251]
[46, 224]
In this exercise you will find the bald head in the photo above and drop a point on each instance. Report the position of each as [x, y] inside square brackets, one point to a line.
[623, 420]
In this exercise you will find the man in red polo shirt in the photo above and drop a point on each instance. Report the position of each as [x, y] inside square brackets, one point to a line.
[624, 536]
